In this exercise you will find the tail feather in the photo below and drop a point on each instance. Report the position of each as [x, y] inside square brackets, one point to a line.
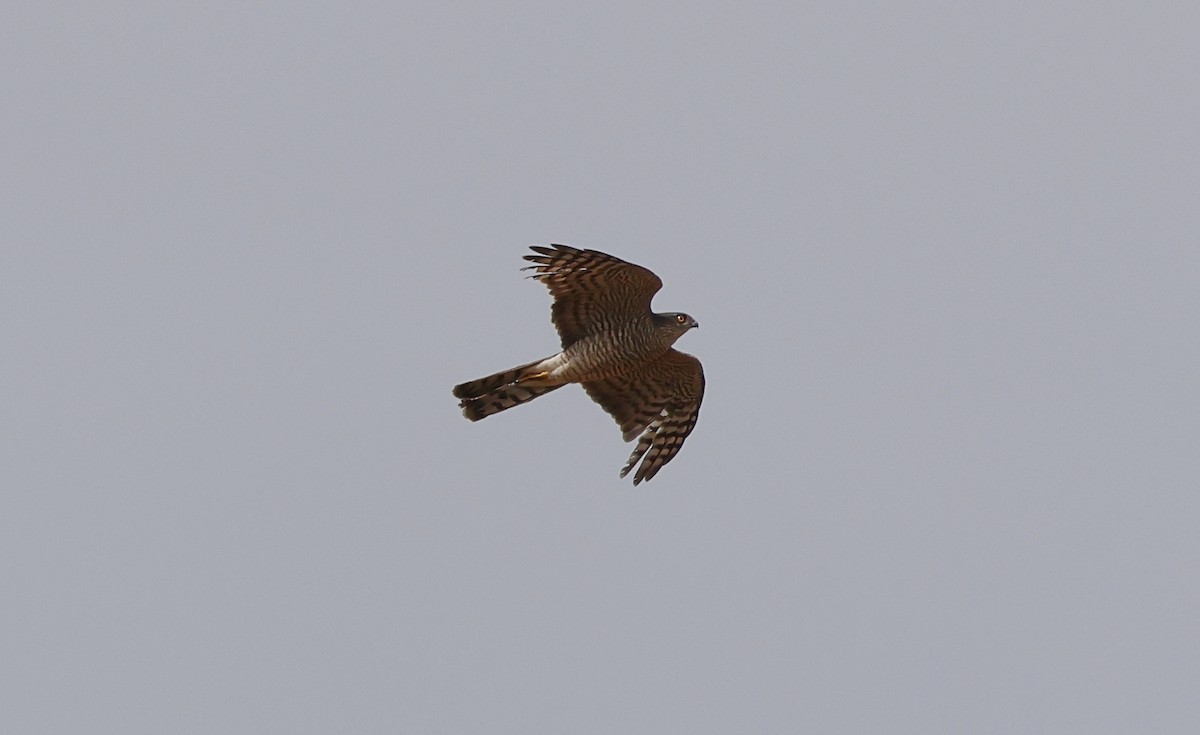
[502, 398]
[483, 386]
[495, 393]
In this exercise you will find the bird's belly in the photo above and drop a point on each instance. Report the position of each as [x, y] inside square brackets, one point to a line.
[604, 356]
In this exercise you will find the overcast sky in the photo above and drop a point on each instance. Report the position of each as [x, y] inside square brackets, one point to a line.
[946, 478]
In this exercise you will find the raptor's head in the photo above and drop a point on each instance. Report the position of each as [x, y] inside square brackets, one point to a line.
[675, 323]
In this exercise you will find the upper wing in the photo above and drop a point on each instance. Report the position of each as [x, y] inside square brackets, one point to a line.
[660, 400]
[591, 290]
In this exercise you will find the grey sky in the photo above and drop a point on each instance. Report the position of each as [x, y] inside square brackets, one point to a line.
[945, 479]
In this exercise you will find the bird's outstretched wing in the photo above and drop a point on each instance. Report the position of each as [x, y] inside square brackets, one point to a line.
[660, 400]
[592, 291]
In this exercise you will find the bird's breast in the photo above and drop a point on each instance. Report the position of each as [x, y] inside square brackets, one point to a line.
[610, 353]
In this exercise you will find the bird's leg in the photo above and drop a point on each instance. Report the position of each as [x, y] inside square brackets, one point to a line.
[525, 378]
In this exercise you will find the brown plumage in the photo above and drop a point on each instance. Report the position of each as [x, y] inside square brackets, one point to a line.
[614, 346]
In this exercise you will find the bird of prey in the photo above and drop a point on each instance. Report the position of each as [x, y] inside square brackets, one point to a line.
[614, 346]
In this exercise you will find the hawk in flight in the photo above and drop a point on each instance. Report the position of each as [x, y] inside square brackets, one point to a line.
[614, 346]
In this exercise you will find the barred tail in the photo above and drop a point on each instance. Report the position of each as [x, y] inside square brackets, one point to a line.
[493, 394]
[483, 386]
[503, 398]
